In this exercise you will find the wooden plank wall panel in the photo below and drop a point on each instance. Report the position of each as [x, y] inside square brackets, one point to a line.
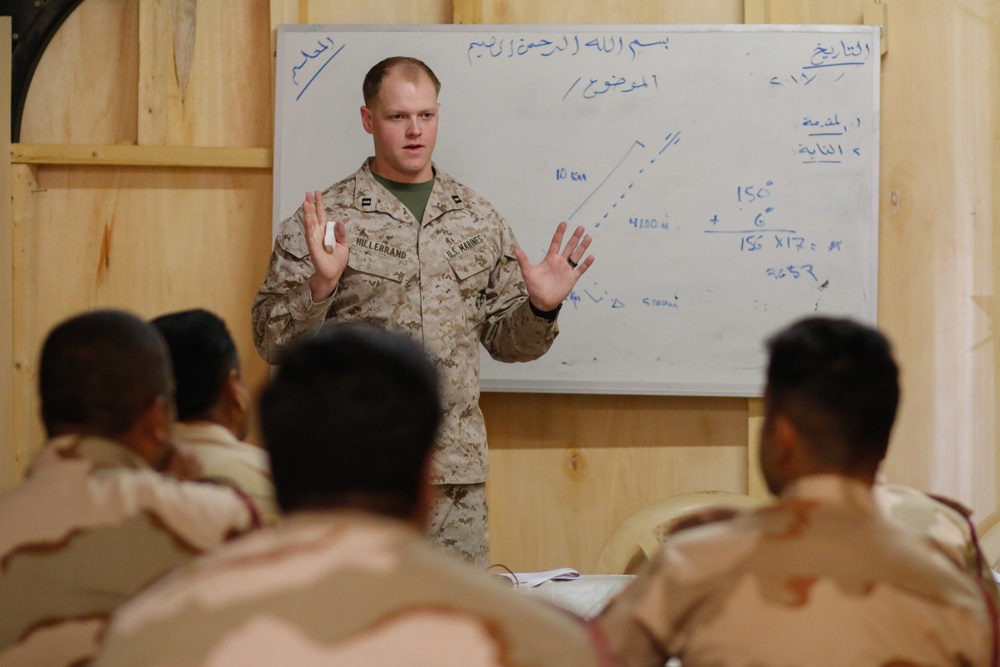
[7, 468]
[25, 426]
[147, 240]
[991, 474]
[938, 254]
[848, 12]
[369, 11]
[204, 74]
[566, 472]
[84, 88]
[599, 11]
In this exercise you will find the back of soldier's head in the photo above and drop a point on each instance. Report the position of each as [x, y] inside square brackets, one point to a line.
[202, 354]
[836, 380]
[349, 420]
[99, 372]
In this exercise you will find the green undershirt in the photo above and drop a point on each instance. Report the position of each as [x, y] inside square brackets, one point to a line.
[414, 196]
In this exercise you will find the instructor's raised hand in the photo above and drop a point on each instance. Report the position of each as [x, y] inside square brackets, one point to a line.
[550, 281]
[329, 263]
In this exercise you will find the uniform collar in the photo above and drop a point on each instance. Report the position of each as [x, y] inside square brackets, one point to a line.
[369, 195]
[102, 452]
[204, 433]
[831, 489]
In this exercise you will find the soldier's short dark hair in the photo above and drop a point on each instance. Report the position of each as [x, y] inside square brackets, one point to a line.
[202, 354]
[409, 68]
[349, 420]
[837, 381]
[99, 372]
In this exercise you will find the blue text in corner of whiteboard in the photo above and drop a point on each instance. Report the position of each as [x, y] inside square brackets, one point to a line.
[838, 55]
[313, 63]
[824, 56]
[520, 46]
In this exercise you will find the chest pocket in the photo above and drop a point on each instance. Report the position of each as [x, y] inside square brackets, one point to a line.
[472, 270]
[376, 264]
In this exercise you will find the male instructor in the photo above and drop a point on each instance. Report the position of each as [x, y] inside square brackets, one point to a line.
[417, 252]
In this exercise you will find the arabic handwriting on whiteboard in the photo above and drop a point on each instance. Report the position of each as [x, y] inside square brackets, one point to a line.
[493, 48]
[313, 62]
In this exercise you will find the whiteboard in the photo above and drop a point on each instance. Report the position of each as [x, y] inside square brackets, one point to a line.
[728, 176]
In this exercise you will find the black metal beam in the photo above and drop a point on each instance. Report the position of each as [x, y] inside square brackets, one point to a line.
[34, 22]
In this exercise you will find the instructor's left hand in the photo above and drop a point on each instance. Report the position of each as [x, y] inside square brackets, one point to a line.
[551, 281]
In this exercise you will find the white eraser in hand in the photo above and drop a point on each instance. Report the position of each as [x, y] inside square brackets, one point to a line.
[329, 239]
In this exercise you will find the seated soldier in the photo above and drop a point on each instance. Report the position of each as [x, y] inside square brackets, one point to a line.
[820, 578]
[94, 521]
[346, 578]
[212, 402]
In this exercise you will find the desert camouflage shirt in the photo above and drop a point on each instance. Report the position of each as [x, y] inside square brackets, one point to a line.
[91, 525]
[223, 458]
[450, 282]
[941, 520]
[339, 588]
[820, 579]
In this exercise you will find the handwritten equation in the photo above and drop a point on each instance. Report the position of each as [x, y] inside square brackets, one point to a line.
[760, 238]
[519, 47]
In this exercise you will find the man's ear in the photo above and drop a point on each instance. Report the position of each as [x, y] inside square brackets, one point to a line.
[788, 443]
[366, 119]
[149, 437]
[235, 392]
[236, 400]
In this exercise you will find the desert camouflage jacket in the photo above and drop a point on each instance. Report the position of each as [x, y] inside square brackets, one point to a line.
[449, 281]
[91, 525]
[818, 579]
[223, 458]
[339, 588]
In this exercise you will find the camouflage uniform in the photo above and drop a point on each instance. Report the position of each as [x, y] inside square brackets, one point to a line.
[338, 588]
[450, 282]
[818, 579]
[943, 521]
[90, 526]
[223, 458]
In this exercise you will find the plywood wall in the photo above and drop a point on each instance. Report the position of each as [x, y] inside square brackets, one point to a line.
[566, 469]
[146, 239]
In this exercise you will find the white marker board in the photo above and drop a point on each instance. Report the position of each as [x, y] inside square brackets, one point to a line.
[728, 175]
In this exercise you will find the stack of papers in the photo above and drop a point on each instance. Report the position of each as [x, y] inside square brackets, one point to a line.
[532, 579]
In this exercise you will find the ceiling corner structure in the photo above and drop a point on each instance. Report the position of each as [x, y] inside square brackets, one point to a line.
[33, 23]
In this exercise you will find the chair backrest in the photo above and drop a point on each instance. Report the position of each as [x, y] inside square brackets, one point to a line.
[637, 538]
[989, 539]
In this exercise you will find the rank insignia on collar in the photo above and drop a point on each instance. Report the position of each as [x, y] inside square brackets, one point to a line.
[456, 199]
[366, 201]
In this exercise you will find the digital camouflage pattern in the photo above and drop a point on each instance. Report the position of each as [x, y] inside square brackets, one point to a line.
[458, 522]
[450, 282]
[224, 459]
[339, 588]
[90, 526]
[819, 579]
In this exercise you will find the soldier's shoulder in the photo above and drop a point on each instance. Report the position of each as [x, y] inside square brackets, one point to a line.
[471, 198]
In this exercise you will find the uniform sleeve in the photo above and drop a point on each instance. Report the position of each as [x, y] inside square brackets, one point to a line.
[512, 331]
[283, 309]
[624, 622]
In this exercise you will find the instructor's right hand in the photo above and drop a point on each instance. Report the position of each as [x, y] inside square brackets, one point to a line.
[329, 264]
